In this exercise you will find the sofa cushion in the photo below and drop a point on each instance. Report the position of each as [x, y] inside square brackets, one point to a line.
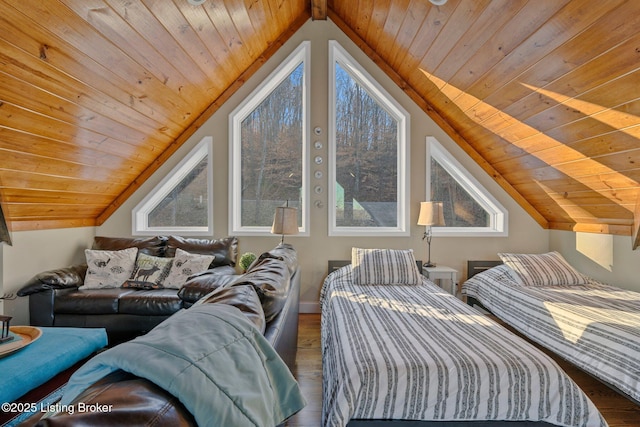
[154, 246]
[108, 269]
[149, 272]
[271, 279]
[225, 250]
[186, 264]
[92, 301]
[156, 302]
[203, 283]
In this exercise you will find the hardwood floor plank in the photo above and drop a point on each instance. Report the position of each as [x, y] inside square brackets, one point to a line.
[616, 409]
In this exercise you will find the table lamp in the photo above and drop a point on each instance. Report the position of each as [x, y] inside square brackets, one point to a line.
[431, 213]
[285, 221]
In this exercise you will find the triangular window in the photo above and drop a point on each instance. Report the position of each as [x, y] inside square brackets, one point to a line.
[183, 202]
[469, 209]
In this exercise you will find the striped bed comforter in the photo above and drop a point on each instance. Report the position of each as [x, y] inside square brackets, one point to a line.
[418, 353]
[594, 326]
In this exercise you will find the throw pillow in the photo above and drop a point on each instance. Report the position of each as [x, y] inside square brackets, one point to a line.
[150, 272]
[186, 264]
[384, 267]
[543, 269]
[108, 269]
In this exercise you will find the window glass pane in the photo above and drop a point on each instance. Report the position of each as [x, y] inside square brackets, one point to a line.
[366, 186]
[460, 209]
[186, 204]
[183, 201]
[272, 143]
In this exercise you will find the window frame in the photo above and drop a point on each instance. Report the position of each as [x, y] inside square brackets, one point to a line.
[140, 213]
[301, 55]
[498, 214]
[337, 54]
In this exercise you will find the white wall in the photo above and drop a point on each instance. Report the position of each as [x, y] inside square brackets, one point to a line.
[33, 252]
[604, 257]
[525, 235]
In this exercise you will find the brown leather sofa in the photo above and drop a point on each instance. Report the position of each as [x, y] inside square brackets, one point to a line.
[268, 294]
[55, 300]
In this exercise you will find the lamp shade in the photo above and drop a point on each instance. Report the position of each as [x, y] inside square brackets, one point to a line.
[285, 221]
[431, 213]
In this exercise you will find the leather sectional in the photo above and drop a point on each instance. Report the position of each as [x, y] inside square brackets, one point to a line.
[274, 276]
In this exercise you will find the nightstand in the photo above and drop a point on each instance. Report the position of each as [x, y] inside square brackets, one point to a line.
[442, 272]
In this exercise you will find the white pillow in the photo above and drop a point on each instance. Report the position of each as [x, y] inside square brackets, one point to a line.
[384, 267]
[543, 269]
[108, 269]
[186, 264]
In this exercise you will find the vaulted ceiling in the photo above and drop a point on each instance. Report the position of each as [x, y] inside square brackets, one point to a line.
[544, 94]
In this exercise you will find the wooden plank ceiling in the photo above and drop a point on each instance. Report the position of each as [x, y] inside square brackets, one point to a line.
[543, 94]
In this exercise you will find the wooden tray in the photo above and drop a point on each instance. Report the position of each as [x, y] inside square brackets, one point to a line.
[28, 334]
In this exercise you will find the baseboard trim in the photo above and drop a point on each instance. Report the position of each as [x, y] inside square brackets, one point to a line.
[309, 307]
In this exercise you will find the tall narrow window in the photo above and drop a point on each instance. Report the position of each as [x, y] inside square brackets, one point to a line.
[268, 138]
[368, 153]
[183, 202]
[469, 209]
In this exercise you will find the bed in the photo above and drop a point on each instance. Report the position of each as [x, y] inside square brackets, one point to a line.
[399, 350]
[593, 325]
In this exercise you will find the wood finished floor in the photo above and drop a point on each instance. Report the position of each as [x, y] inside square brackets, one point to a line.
[616, 409]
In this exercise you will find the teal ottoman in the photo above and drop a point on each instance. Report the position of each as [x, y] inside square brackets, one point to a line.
[57, 349]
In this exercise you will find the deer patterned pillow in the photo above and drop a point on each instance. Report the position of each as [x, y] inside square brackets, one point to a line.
[149, 272]
[186, 264]
[108, 269]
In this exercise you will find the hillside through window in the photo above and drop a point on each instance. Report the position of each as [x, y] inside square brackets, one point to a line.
[368, 153]
[183, 202]
[268, 145]
[469, 209]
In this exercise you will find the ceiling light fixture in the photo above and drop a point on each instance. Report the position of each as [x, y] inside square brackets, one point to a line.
[199, 2]
[438, 2]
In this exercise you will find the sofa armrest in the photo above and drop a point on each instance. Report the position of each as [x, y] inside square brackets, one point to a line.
[201, 284]
[61, 278]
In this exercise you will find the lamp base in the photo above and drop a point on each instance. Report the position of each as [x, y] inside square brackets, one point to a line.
[428, 264]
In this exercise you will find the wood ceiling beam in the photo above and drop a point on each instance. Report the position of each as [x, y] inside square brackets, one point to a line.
[635, 232]
[319, 10]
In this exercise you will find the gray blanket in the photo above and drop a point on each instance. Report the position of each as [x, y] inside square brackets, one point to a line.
[214, 360]
[595, 326]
